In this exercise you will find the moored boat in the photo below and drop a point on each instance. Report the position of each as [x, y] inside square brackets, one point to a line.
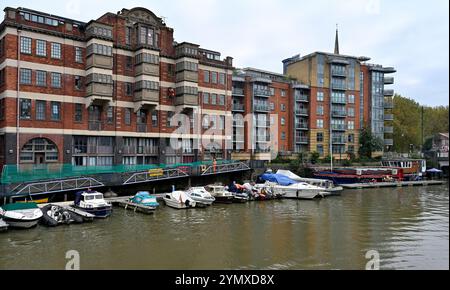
[21, 215]
[142, 202]
[327, 185]
[288, 188]
[220, 194]
[179, 200]
[92, 202]
[202, 197]
[54, 215]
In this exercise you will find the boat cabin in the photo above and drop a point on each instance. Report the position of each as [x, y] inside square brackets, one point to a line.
[88, 197]
[409, 166]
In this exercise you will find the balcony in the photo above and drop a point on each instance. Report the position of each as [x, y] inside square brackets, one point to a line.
[342, 101]
[389, 130]
[338, 73]
[188, 76]
[99, 89]
[388, 93]
[238, 92]
[186, 100]
[95, 125]
[339, 140]
[93, 149]
[238, 107]
[146, 95]
[388, 80]
[261, 108]
[388, 142]
[145, 150]
[262, 139]
[141, 128]
[147, 69]
[100, 61]
[263, 124]
[389, 117]
[301, 126]
[301, 111]
[340, 87]
[301, 139]
[389, 105]
[262, 93]
[301, 98]
[339, 113]
[336, 127]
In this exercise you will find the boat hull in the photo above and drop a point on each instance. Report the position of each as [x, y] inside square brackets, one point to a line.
[21, 224]
[294, 193]
[177, 205]
[100, 213]
[224, 199]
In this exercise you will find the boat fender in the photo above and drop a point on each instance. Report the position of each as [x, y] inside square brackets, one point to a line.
[76, 218]
[298, 193]
[187, 203]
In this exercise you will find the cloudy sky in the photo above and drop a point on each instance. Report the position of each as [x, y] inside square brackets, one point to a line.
[411, 35]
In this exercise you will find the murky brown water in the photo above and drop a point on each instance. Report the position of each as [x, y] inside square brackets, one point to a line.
[409, 227]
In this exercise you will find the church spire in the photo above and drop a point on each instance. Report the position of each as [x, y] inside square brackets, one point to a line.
[336, 44]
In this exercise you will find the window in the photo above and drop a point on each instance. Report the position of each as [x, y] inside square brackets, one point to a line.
[186, 65]
[2, 109]
[56, 50]
[40, 110]
[272, 91]
[205, 98]
[147, 58]
[213, 99]
[78, 54]
[351, 125]
[155, 118]
[214, 77]
[25, 109]
[2, 77]
[351, 149]
[283, 108]
[100, 31]
[283, 135]
[320, 110]
[56, 111]
[351, 99]
[206, 76]
[222, 100]
[221, 78]
[283, 121]
[147, 85]
[319, 137]
[146, 36]
[319, 124]
[41, 47]
[78, 112]
[110, 115]
[25, 45]
[169, 119]
[351, 112]
[128, 62]
[2, 47]
[127, 116]
[320, 96]
[99, 49]
[283, 93]
[78, 82]
[320, 149]
[128, 33]
[128, 89]
[25, 76]
[99, 78]
[351, 138]
[56, 80]
[41, 78]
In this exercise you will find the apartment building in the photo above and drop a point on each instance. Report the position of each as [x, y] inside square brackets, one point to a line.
[346, 94]
[115, 90]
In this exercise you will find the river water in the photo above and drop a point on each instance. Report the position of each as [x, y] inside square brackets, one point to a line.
[408, 227]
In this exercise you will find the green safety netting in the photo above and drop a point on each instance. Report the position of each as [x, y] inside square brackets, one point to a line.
[26, 173]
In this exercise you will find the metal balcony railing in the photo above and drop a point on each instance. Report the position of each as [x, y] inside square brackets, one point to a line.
[238, 92]
[238, 107]
[95, 125]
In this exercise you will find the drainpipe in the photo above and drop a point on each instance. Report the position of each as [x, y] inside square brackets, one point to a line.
[18, 100]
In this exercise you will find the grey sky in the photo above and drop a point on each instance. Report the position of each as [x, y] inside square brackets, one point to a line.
[411, 35]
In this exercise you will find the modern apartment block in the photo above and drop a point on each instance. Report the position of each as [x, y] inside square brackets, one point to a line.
[346, 94]
[108, 92]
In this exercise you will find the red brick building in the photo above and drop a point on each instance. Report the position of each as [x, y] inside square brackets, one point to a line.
[115, 90]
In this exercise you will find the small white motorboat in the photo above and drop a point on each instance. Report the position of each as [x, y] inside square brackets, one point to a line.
[179, 200]
[301, 190]
[220, 194]
[327, 185]
[201, 196]
[21, 215]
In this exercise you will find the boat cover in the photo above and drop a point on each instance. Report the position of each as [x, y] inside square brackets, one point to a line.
[19, 206]
[290, 175]
[278, 178]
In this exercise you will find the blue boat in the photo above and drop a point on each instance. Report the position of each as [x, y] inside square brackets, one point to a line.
[92, 202]
[144, 198]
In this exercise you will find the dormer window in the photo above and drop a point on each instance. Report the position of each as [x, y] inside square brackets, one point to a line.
[146, 36]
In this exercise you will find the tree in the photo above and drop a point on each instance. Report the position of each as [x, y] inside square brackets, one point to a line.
[369, 143]
[314, 157]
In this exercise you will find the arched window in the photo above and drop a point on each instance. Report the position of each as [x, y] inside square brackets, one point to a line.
[39, 151]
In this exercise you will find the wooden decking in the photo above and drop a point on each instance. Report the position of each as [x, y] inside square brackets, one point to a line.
[391, 184]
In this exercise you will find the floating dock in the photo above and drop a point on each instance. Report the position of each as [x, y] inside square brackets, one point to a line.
[136, 207]
[391, 184]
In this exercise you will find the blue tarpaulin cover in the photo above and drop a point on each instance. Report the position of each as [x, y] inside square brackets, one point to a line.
[278, 178]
